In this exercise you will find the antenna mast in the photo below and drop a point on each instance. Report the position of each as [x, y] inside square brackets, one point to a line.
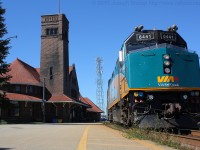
[58, 6]
[99, 90]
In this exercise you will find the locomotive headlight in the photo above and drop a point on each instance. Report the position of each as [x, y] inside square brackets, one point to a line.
[197, 93]
[136, 94]
[166, 63]
[185, 97]
[140, 94]
[150, 97]
[167, 70]
[166, 56]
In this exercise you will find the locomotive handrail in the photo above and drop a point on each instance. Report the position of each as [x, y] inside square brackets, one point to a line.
[182, 54]
[148, 54]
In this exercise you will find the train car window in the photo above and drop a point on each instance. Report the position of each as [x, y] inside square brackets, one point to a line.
[134, 46]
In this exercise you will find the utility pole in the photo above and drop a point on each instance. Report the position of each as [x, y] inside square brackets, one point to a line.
[99, 90]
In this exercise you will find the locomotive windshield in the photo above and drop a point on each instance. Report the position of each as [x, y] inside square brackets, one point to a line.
[147, 38]
[139, 45]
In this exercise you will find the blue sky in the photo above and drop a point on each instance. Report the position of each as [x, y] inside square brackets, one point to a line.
[97, 28]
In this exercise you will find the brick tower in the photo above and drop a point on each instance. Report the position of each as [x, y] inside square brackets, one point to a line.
[54, 58]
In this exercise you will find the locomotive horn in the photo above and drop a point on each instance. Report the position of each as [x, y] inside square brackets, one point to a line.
[169, 29]
[140, 28]
[136, 28]
[174, 28]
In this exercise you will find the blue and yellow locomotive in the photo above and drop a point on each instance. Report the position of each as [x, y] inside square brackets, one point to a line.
[156, 81]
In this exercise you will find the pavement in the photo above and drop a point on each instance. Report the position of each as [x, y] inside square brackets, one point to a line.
[69, 136]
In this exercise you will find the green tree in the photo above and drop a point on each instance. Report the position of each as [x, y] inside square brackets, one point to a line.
[4, 51]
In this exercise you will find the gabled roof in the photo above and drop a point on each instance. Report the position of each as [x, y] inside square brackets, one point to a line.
[23, 73]
[93, 108]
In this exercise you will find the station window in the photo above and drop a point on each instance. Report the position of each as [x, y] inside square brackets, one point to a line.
[17, 88]
[15, 109]
[51, 73]
[51, 31]
[29, 89]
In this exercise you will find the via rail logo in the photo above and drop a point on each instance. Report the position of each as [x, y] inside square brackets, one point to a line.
[168, 81]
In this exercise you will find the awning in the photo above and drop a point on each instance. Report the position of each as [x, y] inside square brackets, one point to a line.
[65, 99]
[22, 97]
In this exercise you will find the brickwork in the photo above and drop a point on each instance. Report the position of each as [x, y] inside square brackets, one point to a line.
[54, 62]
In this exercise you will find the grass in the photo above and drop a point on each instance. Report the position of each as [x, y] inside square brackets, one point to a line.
[136, 133]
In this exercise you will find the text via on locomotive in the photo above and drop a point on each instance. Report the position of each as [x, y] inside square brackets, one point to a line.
[167, 81]
[161, 79]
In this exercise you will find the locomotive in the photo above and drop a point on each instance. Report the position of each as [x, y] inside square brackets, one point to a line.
[155, 82]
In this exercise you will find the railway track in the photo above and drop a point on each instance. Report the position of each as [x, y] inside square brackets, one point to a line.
[195, 133]
[184, 138]
[191, 140]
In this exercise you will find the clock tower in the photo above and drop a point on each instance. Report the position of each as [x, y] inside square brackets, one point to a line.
[54, 61]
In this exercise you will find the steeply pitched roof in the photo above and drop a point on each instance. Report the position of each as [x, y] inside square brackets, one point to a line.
[23, 73]
[94, 107]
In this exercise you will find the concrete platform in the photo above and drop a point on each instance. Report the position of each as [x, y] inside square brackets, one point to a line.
[74, 136]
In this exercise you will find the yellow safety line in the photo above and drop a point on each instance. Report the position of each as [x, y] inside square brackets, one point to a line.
[83, 142]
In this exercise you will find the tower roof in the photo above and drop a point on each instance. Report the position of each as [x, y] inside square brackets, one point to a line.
[23, 73]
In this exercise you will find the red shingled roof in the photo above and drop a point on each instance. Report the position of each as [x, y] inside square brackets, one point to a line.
[63, 98]
[94, 107]
[23, 73]
[60, 98]
[21, 97]
[38, 70]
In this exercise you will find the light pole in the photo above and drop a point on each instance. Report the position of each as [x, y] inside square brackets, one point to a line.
[43, 100]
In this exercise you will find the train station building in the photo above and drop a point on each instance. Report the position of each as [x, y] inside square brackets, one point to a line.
[49, 93]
